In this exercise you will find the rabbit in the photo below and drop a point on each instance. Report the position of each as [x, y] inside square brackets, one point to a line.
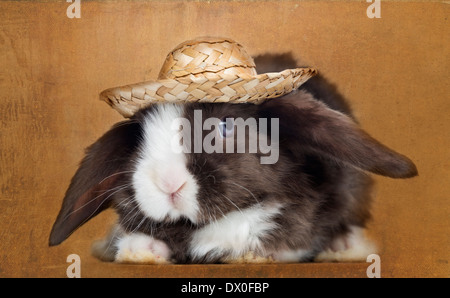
[199, 207]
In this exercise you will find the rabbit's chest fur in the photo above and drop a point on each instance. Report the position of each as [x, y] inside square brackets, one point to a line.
[236, 237]
[235, 234]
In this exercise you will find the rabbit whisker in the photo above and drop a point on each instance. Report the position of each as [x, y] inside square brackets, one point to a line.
[115, 189]
[247, 191]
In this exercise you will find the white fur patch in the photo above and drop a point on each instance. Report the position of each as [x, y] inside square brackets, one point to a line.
[234, 235]
[290, 256]
[161, 170]
[141, 248]
[354, 246]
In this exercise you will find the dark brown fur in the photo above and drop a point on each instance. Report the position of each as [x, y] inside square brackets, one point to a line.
[319, 177]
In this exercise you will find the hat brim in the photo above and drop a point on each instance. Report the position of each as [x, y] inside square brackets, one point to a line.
[210, 87]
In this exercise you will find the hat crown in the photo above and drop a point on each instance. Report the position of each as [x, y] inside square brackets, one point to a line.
[203, 56]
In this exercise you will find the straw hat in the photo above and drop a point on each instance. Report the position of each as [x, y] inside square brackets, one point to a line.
[206, 70]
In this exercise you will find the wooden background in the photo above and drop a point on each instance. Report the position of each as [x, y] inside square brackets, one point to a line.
[394, 72]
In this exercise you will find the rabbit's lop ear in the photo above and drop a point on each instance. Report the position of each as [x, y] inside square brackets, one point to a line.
[93, 185]
[308, 123]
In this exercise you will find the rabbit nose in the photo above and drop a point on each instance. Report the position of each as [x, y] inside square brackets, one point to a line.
[174, 189]
[172, 181]
[171, 186]
[174, 197]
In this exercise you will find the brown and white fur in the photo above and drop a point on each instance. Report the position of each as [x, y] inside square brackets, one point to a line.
[214, 208]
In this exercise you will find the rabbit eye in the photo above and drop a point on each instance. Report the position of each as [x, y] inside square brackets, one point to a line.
[226, 127]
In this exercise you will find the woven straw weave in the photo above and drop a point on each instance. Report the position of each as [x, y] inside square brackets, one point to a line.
[210, 70]
[211, 55]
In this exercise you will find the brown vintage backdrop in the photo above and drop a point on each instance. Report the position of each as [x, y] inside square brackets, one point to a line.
[394, 72]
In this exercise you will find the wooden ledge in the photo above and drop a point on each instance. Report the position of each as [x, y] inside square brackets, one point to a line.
[301, 270]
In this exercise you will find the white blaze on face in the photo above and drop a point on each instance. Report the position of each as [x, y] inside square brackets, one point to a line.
[164, 188]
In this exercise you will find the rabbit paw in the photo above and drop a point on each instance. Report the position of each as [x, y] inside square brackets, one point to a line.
[141, 248]
[354, 246]
[250, 258]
